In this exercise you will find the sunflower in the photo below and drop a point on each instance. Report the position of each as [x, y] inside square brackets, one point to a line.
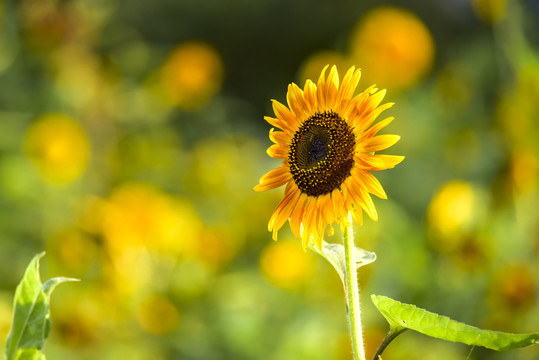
[327, 144]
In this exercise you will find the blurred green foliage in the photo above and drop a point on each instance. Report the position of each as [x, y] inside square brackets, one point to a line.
[132, 133]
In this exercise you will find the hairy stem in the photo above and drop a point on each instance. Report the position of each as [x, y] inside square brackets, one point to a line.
[389, 338]
[352, 292]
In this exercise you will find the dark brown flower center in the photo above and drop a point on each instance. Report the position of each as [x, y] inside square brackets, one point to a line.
[321, 153]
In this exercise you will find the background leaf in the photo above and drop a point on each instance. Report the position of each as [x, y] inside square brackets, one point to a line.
[29, 354]
[31, 318]
[404, 316]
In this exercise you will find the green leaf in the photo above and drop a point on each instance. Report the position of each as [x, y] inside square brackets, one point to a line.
[404, 316]
[31, 317]
[334, 253]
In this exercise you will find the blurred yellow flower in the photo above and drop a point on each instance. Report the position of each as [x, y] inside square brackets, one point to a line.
[284, 264]
[145, 230]
[191, 74]
[310, 69]
[451, 213]
[156, 314]
[58, 146]
[140, 215]
[393, 47]
[490, 11]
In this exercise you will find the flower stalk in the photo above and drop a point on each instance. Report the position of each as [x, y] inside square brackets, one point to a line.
[352, 292]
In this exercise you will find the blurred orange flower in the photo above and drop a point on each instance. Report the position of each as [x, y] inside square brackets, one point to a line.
[191, 74]
[513, 287]
[393, 46]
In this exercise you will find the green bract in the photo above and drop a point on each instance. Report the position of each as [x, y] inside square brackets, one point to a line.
[334, 254]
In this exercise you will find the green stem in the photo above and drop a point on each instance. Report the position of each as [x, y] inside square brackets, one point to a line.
[389, 338]
[352, 292]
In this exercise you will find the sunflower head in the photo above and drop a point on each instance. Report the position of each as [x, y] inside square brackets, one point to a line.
[327, 142]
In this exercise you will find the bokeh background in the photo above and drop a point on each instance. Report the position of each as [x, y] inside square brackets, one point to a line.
[132, 133]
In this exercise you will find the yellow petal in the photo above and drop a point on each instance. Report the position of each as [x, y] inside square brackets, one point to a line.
[359, 103]
[278, 151]
[310, 96]
[296, 102]
[376, 99]
[274, 178]
[367, 204]
[363, 199]
[297, 215]
[327, 209]
[377, 162]
[376, 128]
[357, 215]
[366, 118]
[319, 222]
[378, 143]
[307, 221]
[332, 87]
[285, 115]
[348, 87]
[321, 90]
[279, 137]
[283, 212]
[372, 184]
[338, 203]
[278, 123]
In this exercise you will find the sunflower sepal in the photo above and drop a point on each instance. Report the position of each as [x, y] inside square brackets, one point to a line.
[334, 254]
